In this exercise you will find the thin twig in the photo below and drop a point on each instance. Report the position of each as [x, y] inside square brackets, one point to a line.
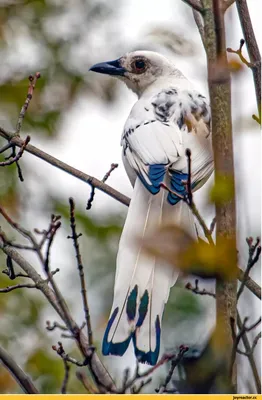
[174, 364]
[199, 23]
[251, 351]
[61, 352]
[196, 290]
[27, 234]
[254, 254]
[252, 48]
[240, 55]
[98, 184]
[55, 325]
[188, 184]
[75, 237]
[16, 275]
[213, 224]
[97, 369]
[32, 83]
[17, 157]
[92, 194]
[54, 226]
[243, 329]
[66, 377]
[19, 286]
[19, 375]
[251, 359]
[195, 4]
[249, 283]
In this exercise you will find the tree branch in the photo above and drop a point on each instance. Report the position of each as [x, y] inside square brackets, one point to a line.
[196, 290]
[19, 375]
[96, 367]
[199, 23]
[75, 237]
[32, 83]
[16, 157]
[250, 356]
[194, 4]
[19, 286]
[220, 101]
[17, 141]
[252, 48]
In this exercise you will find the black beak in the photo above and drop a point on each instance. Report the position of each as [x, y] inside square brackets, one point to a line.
[109, 67]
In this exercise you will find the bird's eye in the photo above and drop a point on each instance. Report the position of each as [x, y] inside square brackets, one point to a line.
[139, 65]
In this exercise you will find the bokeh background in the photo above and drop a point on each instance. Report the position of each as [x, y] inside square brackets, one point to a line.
[77, 116]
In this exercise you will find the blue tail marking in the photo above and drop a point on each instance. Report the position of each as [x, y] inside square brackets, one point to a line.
[131, 304]
[151, 356]
[117, 349]
[143, 308]
[156, 175]
[177, 185]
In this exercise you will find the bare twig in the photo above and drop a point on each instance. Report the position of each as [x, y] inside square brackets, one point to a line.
[17, 226]
[196, 290]
[195, 5]
[212, 225]
[240, 55]
[174, 364]
[92, 194]
[54, 226]
[251, 351]
[19, 286]
[19, 375]
[97, 369]
[17, 156]
[91, 198]
[251, 359]
[75, 237]
[55, 325]
[32, 83]
[249, 283]
[243, 329]
[188, 183]
[66, 377]
[17, 141]
[16, 275]
[199, 23]
[61, 352]
[254, 254]
[10, 268]
[252, 48]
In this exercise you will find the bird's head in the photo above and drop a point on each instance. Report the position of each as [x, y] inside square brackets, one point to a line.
[138, 69]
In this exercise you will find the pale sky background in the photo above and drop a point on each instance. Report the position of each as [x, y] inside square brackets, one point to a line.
[89, 136]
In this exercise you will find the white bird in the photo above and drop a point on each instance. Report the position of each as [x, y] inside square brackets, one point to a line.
[169, 117]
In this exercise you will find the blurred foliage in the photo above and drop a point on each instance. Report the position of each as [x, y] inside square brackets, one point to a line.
[60, 39]
[178, 248]
[223, 190]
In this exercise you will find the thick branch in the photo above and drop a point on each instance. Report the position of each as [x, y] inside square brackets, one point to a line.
[220, 100]
[19, 375]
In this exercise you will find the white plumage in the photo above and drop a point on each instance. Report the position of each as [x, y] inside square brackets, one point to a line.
[169, 117]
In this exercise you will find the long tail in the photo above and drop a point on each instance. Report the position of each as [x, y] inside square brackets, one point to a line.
[142, 284]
